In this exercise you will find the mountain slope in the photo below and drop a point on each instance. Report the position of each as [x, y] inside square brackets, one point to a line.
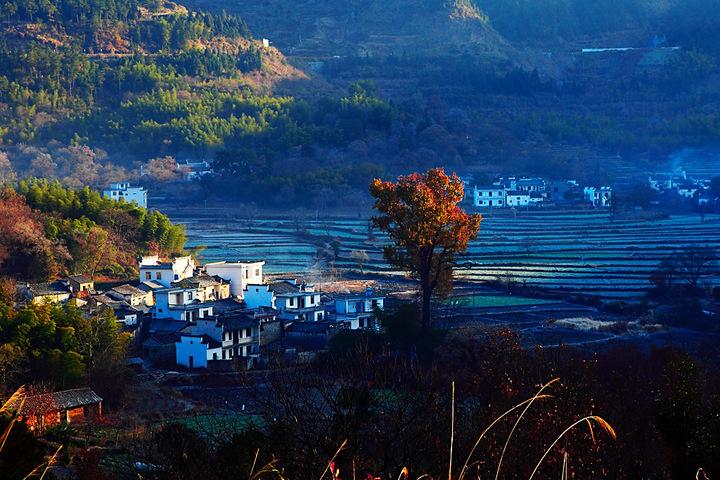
[321, 29]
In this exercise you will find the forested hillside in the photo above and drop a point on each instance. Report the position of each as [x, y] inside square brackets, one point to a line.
[91, 91]
[691, 23]
[322, 29]
[47, 230]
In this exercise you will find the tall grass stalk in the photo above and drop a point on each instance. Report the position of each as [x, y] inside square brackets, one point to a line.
[342, 447]
[599, 420]
[537, 396]
[517, 422]
[252, 469]
[452, 431]
[17, 398]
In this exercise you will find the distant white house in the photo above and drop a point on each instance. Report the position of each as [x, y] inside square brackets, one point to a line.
[535, 184]
[194, 170]
[218, 339]
[124, 191]
[209, 288]
[239, 274]
[134, 296]
[510, 192]
[293, 300]
[661, 183]
[517, 199]
[358, 310]
[489, 196]
[598, 196]
[536, 198]
[687, 189]
[45, 293]
[165, 272]
[181, 304]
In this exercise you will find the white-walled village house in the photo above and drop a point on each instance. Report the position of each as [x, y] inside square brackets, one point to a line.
[293, 300]
[165, 272]
[124, 191]
[239, 274]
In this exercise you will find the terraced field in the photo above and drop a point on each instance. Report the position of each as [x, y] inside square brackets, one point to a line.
[574, 250]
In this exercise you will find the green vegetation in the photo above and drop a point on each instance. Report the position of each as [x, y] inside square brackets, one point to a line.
[481, 301]
[73, 60]
[48, 229]
[145, 79]
[61, 346]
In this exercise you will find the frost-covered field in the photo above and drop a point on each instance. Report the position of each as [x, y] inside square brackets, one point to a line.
[581, 250]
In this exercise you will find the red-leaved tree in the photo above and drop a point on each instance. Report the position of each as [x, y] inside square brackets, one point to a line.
[420, 213]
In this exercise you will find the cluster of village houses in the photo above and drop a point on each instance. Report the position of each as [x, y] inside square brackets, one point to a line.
[514, 192]
[681, 185]
[221, 315]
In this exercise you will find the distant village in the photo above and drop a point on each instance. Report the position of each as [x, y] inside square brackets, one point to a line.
[515, 192]
[220, 316]
[502, 192]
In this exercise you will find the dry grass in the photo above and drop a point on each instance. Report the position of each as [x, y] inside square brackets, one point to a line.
[11, 407]
[590, 420]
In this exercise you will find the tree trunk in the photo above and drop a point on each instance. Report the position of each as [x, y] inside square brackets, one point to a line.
[426, 308]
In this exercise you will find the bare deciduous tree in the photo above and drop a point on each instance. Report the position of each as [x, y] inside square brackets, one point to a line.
[695, 263]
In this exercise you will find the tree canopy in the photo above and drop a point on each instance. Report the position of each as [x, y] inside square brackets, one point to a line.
[420, 213]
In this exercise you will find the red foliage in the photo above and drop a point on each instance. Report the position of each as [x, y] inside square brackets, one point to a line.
[25, 252]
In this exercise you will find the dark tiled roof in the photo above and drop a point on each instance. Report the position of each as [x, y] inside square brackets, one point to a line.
[52, 288]
[283, 287]
[110, 302]
[167, 325]
[57, 401]
[227, 306]
[128, 289]
[199, 281]
[309, 328]
[160, 339]
[238, 321]
[306, 343]
[149, 286]
[80, 279]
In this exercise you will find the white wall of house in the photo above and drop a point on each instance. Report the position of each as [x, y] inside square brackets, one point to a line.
[240, 274]
[686, 192]
[256, 296]
[189, 346]
[157, 274]
[123, 191]
[295, 301]
[164, 273]
[489, 197]
[359, 305]
[599, 197]
[179, 304]
[517, 199]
